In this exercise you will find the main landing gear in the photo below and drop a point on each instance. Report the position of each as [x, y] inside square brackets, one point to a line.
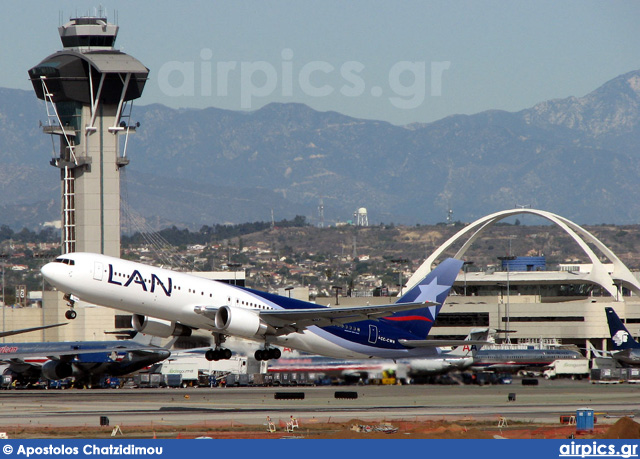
[71, 313]
[218, 353]
[268, 354]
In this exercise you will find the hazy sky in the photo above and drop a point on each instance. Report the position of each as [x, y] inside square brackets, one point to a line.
[403, 62]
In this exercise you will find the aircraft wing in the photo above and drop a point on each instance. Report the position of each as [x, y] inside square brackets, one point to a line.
[287, 321]
[441, 342]
[27, 330]
[11, 351]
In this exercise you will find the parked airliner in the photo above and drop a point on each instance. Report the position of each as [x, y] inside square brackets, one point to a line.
[86, 361]
[627, 349]
[166, 303]
[513, 360]
[459, 358]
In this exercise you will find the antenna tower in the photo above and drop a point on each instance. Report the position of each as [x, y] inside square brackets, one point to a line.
[321, 213]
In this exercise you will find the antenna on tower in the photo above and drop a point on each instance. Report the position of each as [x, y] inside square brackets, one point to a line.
[450, 216]
[355, 252]
[321, 213]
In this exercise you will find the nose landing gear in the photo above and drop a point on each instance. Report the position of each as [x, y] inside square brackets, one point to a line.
[71, 313]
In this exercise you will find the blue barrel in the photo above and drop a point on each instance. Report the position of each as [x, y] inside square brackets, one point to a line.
[584, 420]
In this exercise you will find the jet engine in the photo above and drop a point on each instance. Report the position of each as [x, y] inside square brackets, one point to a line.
[158, 327]
[240, 322]
[55, 369]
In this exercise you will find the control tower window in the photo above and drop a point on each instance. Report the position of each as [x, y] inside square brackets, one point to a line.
[87, 40]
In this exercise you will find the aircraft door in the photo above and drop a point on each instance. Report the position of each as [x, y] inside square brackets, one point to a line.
[97, 271]
[373, 334]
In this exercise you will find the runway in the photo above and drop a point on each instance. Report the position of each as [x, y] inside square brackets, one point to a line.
[250, 405]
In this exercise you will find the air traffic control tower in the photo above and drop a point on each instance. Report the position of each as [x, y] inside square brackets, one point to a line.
[88, 88]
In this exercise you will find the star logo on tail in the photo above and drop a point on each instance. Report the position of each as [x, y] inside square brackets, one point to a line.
[430, 291]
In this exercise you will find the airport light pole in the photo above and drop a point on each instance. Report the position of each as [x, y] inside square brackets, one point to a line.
[507, 259]
[399, 262]
[500, 301]
[234, 266]
[465, 265]
[3, 305]
[267, 279]
[345, 276]
[337, 289]
[3, 256]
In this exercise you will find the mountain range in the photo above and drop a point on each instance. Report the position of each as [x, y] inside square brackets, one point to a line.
[577, 157]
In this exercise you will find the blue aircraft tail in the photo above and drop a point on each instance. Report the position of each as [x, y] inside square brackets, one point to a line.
[620, 336]
[434, 287]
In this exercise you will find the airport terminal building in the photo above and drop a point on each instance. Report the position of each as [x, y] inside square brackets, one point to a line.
[529, 303]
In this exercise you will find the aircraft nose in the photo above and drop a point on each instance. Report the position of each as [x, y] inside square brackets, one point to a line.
[49, 272]
[46, 270]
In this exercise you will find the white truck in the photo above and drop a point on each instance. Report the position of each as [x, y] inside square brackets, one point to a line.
[195, 367]
[574, 369]
[187, 370]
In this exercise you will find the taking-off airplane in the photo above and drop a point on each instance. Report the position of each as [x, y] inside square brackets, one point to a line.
[168, 303]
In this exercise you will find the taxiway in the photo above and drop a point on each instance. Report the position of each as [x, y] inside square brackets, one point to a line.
[250, 405]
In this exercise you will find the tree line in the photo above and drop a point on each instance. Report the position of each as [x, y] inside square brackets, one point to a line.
[176, 236]
[48, 234]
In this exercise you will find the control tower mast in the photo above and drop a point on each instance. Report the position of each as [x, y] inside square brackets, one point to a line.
[88, 88]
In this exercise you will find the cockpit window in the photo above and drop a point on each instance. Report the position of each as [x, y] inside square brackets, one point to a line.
[66, 261]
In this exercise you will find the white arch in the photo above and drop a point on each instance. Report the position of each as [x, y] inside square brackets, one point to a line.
[599, 274]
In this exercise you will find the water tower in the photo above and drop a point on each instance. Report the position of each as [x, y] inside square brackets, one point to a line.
[88, 88]
[361, 217]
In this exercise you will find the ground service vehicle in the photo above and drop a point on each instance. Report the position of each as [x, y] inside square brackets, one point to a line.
[574, 369]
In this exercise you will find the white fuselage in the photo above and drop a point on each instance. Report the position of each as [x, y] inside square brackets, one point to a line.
[173, 296]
